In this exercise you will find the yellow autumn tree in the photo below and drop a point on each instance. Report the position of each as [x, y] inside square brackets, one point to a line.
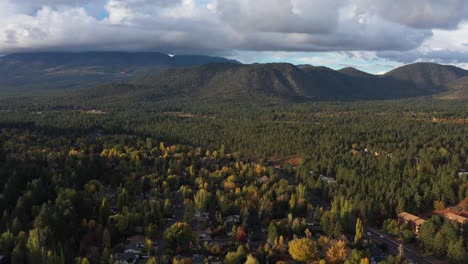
[303, 249]
[365, 261]
[251, 259]
[439, 205]
[152, 260]
[337, 252]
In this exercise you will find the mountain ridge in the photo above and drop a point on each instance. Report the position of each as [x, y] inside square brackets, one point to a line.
[281, 80]
[428, 75]
[157, 75]
[71, 70]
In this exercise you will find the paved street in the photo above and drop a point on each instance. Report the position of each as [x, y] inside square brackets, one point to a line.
[393, 246]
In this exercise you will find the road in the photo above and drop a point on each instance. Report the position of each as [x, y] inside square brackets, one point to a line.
[393, 246]
[178, 216]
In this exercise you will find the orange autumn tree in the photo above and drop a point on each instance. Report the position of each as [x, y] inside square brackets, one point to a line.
[337, 253]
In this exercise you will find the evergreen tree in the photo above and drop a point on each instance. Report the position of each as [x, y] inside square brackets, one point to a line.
[440, 245]
[456, 252]
[359, 231]
[106, 238]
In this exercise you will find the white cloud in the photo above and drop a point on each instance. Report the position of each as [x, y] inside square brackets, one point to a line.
[417, 29]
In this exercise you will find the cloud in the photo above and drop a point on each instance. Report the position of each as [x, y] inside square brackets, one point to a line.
[425, 14]
[444, 46]
[437, 56]
[280, 16]
[386, 27]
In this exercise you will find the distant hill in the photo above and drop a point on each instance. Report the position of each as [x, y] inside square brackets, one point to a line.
[71, 70]
[350, 71]
[457, 90]
[247, 82]
[429, 76]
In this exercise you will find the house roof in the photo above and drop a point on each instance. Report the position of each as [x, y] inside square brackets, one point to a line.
[233, 218]
[419, 221]
[408, 217]
[134, 246]
[457, 218]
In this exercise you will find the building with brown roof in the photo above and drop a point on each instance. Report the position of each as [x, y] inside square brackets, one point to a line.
[412, 220]
[457, 218]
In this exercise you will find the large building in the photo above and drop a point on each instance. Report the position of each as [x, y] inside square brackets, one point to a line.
[412, 220]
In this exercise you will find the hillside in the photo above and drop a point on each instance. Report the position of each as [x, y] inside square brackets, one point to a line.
[458, 90]
[236, 81]
[350, 71]
[157, 76]
[70, 70]
[429, 76]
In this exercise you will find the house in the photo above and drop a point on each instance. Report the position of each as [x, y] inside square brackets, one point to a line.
[230, 222]
[204, 235]
[126, 258]
[326, 179]
[201, 215]
[412, 220]
[134, 247]
[215, 259]
[457, 218]
[233, 219]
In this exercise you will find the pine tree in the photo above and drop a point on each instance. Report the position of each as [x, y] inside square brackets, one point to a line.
[272, 232]
[440, 245]
[456, 252]
[7, 242]
[359, 231]
[106, 238]
[19, 253]
[104, 211]
[105, 255]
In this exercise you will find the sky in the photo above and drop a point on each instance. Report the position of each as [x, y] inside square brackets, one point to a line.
[372, 35]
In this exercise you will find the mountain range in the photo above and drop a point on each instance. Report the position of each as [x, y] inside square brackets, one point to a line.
[74, 70]
[157, 76]
[282, 80]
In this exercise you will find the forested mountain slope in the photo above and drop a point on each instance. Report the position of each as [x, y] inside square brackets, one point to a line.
[69, 70]
[155, 76]
[431, 76]
[276, 80]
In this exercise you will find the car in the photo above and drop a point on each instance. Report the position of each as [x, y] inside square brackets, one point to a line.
[381, 236]
[369, 233]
